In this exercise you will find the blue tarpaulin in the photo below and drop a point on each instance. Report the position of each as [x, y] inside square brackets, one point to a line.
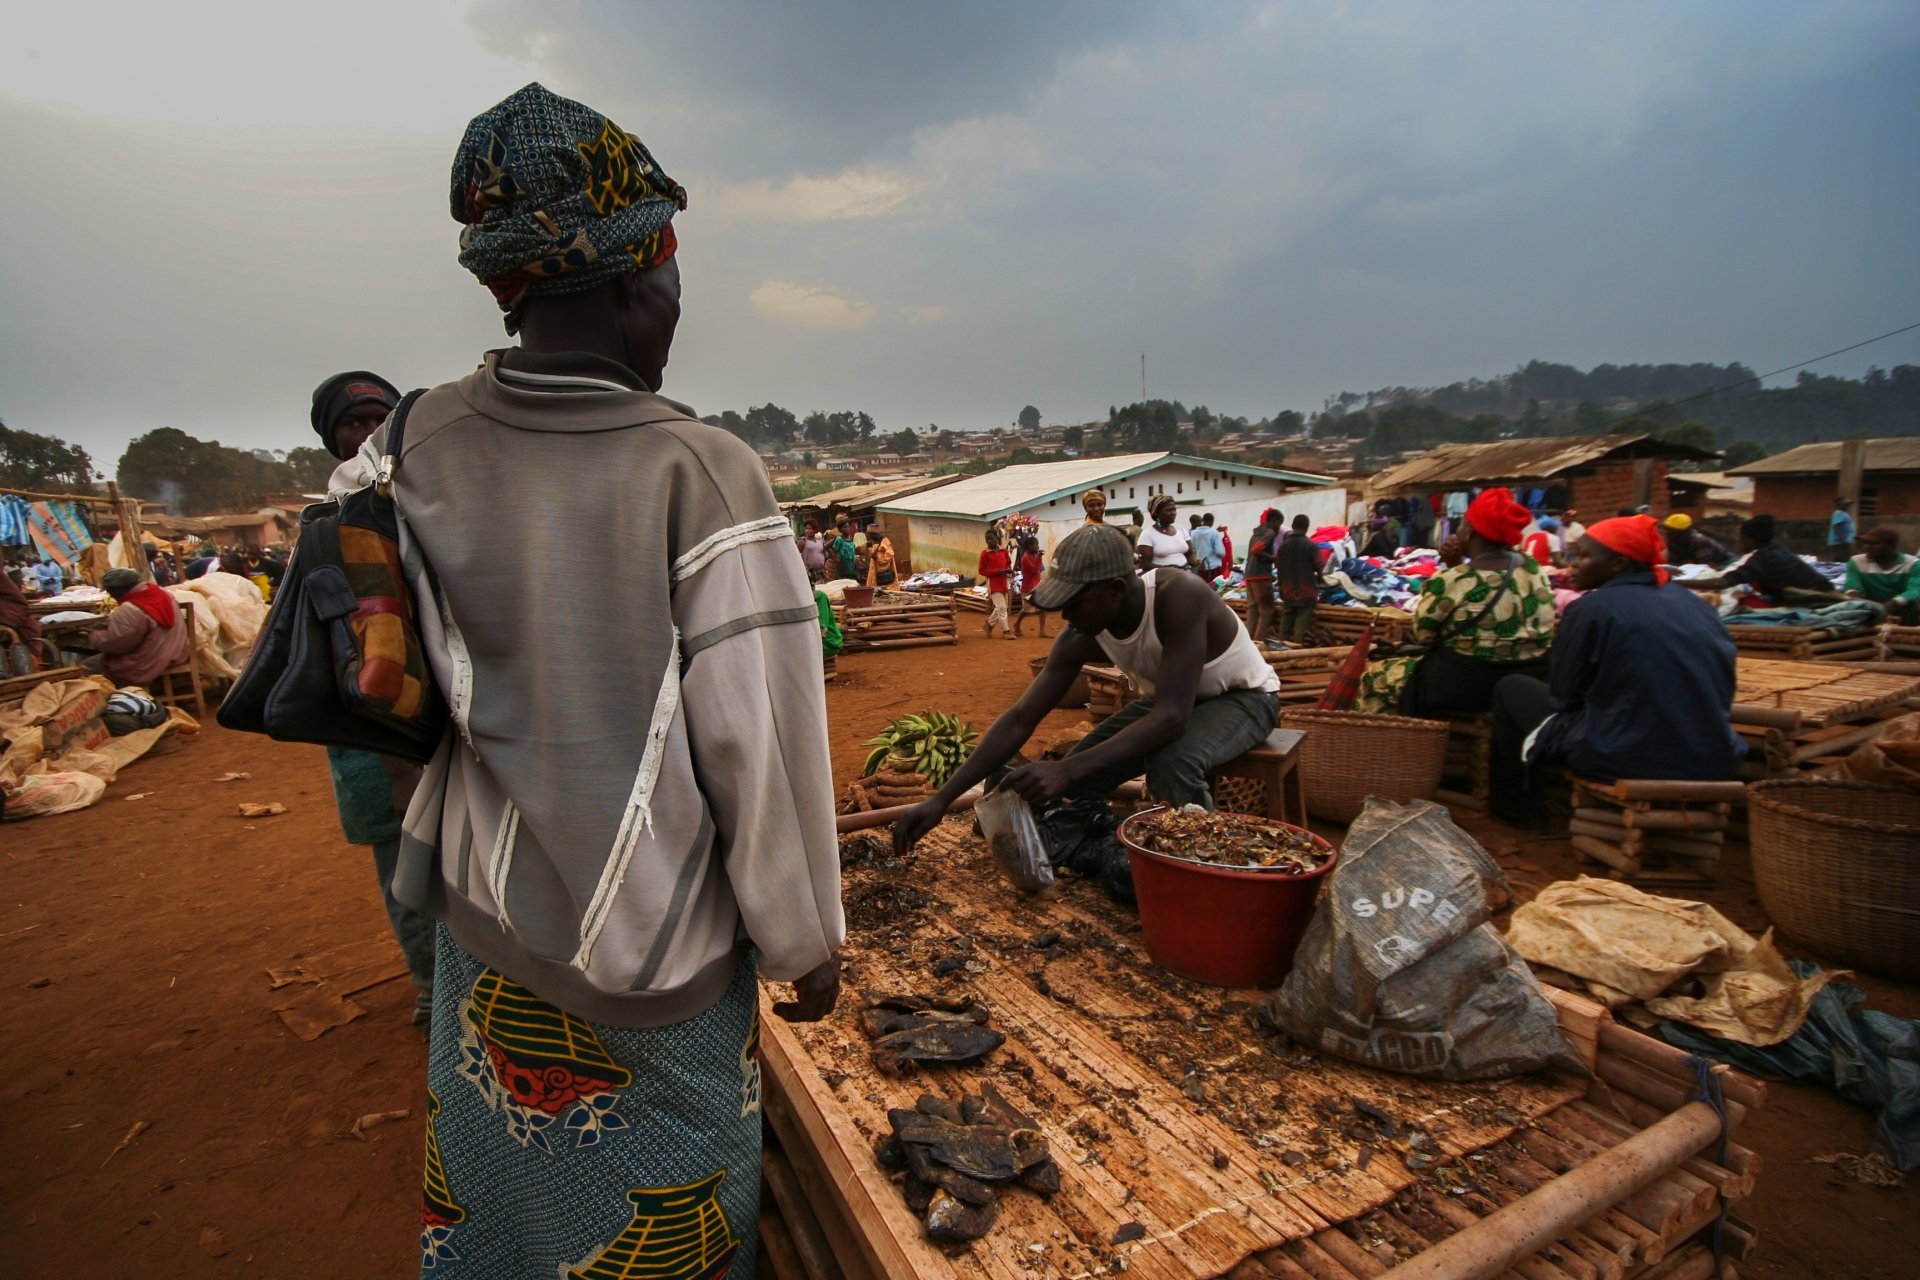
[1865, 1056]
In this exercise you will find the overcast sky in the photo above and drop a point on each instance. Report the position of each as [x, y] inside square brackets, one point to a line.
[941, 212]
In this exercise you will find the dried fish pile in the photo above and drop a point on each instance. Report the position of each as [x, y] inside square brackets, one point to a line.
[1230, 840]
[910, 1029]
[959, 1157]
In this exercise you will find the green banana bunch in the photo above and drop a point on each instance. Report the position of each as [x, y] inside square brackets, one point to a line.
[934, 741]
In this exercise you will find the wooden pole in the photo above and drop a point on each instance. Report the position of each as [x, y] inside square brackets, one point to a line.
[1852, 468]
[887, 817]
[131, 537]
[1509, 1234]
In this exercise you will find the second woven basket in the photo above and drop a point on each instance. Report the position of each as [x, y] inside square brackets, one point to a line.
[1350, 755]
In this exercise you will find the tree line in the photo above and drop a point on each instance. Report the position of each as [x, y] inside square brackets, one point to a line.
[1543, 399]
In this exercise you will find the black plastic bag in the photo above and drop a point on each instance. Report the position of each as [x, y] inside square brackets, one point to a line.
[1082, 837]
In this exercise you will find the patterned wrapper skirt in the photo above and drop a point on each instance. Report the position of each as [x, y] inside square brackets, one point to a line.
[557, 1147]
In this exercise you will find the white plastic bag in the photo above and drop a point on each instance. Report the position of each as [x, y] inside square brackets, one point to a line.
[1014, 837]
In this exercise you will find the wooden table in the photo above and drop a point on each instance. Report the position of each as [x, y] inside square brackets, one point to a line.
[1191, 1142]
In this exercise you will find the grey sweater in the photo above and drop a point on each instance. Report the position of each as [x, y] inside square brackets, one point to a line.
[637, 784]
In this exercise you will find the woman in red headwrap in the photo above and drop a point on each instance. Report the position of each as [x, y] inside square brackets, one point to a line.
[1487, 615]
[1640, 684]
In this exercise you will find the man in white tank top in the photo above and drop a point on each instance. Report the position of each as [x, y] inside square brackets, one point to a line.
[1208, 694]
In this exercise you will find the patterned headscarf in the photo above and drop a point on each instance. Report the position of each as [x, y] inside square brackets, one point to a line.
[557, 199]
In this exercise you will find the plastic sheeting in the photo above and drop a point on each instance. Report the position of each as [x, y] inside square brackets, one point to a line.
[1865, 1056]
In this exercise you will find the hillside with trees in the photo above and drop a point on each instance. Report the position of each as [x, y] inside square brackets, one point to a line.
[1542, 398]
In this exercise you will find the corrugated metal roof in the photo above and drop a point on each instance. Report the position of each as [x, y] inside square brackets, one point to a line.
[868, 493]
[1889, 453]
[1013, 489]
[1528, 458]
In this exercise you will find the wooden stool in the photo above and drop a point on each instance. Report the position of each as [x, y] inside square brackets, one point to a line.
[1653, 830]
[1271, 772]
[180, 685]
[1464, 781]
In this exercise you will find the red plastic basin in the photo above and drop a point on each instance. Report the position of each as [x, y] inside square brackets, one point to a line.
[857, 597]
[1227, 926]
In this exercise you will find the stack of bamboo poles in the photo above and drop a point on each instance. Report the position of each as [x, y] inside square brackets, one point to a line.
[1625, 1184]
[1304, 673]
[1803, 644]
[1108, 690]
[1898, 644]
[898, 622]
[1653, 831]
[1797, 716]
[1465, 781]
[971, 602]
[1347, 622]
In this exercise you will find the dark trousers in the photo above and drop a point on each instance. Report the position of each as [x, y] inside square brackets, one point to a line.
[1520, 704]
[1218, 729]
[1296, 619]
[1260, 608]
[1452, 684]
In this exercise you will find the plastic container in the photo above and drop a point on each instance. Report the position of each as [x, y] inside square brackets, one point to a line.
[857, 597]
[1228, 926]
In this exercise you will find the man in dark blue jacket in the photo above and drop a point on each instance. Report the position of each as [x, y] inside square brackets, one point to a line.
[1640, 682]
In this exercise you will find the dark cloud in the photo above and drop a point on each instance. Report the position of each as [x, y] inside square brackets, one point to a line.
[940, 213]
[814, 85]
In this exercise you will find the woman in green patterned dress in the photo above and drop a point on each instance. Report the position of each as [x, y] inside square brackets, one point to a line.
[1487, 615]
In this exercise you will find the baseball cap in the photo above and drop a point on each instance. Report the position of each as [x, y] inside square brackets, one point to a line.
[1092, 553]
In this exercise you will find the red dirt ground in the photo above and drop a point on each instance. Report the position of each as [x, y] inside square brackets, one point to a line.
[134, 942]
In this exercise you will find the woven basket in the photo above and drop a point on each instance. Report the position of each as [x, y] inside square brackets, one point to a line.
[1349, 755]
[1838, 868]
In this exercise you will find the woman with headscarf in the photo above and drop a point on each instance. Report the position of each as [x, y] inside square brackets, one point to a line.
[1094, 503]
[1164, 545]
[143, 636]
[1487, 615]
[1639, 685]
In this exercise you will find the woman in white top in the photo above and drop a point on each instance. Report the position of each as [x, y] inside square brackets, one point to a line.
[1163, 545]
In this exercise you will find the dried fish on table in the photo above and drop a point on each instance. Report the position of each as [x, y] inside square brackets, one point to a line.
[958, 1155]
[912, 1028]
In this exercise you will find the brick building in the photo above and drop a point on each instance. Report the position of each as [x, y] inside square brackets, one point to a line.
[1596, 475]
[1802, 483]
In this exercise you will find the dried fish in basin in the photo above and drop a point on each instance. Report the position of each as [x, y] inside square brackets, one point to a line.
[1230, 840]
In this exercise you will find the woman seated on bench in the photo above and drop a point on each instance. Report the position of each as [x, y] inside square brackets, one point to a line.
[1640, 681]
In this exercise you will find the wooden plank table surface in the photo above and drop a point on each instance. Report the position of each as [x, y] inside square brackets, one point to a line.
[1169, 1106]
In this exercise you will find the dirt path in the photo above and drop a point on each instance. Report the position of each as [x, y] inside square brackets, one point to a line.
[134, 942]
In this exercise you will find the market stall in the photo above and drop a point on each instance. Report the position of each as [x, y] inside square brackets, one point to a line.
[1190, 1139]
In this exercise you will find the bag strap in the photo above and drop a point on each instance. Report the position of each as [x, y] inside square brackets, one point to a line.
[396, 443]
[1506, 580]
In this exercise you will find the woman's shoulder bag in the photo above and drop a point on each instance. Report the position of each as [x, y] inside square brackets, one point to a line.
[340, 661]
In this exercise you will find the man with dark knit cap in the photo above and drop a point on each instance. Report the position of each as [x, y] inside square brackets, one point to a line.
[370, 790]
[631, 815]
[348, 407]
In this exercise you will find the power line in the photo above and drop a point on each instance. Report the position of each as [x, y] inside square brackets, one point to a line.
[1762, 377]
